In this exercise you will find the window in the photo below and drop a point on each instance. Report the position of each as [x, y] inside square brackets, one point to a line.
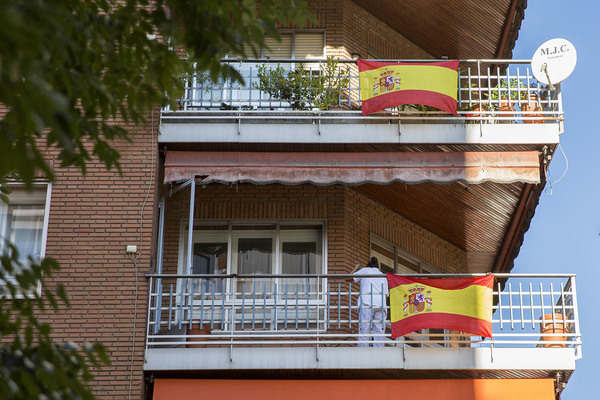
[24, 221]
[295, 44]
[395, 260]
[256, 248]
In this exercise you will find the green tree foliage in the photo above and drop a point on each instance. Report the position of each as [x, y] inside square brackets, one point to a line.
[68, 70]
[32, 366]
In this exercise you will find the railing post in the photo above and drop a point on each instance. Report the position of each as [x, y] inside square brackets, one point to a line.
[159, 263]
[148, 318]
[578, 351]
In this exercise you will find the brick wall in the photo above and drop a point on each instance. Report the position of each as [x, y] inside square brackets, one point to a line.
[366, 216]
[92, 220]
[351, 218]
[249, 201]
[351, 29]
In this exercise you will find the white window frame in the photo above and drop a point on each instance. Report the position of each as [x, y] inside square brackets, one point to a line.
[230, 235]
[424, 266]
[19, 187]
[252, 234]
[303, 235]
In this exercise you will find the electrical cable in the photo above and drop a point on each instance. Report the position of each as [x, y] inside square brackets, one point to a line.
[150, 183]
[548, 190]
[135, 258]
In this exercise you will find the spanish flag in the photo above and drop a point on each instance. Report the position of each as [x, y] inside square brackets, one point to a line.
[463, 305]
[386, 84]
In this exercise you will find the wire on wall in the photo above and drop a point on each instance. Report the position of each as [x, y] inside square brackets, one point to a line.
[135, 257]
[551, 184]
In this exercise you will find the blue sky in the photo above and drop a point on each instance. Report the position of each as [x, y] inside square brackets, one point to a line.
[564, 236]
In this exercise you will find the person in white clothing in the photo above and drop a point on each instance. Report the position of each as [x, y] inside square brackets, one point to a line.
[371, 303]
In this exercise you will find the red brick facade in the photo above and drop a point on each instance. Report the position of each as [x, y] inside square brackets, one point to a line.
[94, 218]
[351, 219]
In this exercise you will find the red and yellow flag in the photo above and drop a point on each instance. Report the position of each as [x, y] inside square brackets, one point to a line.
[463, 305]
[386, 84]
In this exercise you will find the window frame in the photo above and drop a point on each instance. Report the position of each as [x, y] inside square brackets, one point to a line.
[16, 186]
[293, 33]
[424, 266]
[231, 294]
[230, 235]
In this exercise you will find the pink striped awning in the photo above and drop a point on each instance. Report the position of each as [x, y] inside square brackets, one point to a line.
[352, 168]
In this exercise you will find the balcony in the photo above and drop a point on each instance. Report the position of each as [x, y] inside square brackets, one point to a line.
[278, 323]
[246, 114]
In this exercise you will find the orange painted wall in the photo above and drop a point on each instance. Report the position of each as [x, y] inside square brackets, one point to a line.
[438, 389]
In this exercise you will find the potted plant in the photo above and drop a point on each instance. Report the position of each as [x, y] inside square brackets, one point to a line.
[556, 325]
[305, 89]
[532, 107]
[473, 102]
[504, 96]
[200, 330]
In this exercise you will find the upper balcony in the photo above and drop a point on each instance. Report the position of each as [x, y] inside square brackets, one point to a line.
[499, 103]
[273, 324]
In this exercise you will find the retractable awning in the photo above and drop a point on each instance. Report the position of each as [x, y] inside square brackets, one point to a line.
[352, 168]
[431, 389]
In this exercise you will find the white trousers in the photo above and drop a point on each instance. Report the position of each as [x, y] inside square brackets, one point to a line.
[371, 324]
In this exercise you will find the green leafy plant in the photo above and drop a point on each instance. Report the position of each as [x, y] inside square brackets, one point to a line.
[335, 80]
[302, 88]
[506, 90]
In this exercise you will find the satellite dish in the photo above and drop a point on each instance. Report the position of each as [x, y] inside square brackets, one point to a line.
[554, 61]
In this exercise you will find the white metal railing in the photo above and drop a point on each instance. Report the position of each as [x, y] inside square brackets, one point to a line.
[489, 91]
[248, 310]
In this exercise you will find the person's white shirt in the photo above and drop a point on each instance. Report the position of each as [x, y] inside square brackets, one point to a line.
[371, 289]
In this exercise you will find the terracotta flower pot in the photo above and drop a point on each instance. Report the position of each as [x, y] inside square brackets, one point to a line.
[197, 342]
[555, 325]
[504, 105]
[532, 109]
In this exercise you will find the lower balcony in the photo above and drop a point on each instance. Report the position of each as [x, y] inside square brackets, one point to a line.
[277, 326]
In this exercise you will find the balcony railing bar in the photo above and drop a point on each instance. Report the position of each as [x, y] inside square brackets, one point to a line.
[510, 297]
[494, 82]
[521, 305]
[313, 276]
[318, 307]
[334, 115]
[491, 61]
[531, 302]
